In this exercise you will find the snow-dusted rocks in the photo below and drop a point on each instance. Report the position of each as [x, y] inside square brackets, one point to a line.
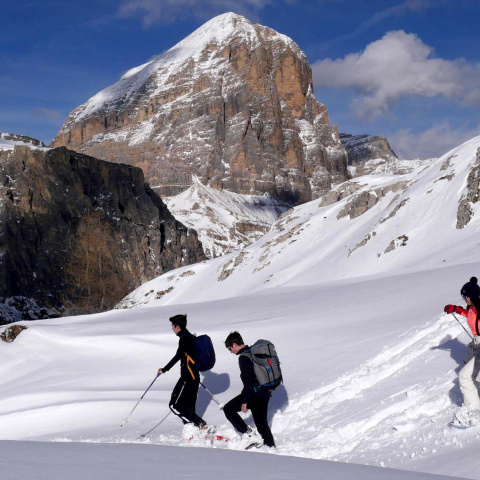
[232, 103]
[369, 155]
[471, 194]
[225, 221]
[9, 140]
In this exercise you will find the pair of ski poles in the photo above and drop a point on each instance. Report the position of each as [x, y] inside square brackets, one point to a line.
[125, 420]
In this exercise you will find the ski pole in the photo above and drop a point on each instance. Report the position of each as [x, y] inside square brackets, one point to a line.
[125, 420]
[157, 425]
[468, 333]
[213, 396]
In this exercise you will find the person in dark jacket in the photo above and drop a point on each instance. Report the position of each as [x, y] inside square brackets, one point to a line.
[249, 398]
[184, 395]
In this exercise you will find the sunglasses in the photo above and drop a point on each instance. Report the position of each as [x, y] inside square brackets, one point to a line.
[464, 297]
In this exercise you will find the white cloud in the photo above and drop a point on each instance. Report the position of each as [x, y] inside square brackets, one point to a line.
[430, 143]
[397, 66]
[168, 11]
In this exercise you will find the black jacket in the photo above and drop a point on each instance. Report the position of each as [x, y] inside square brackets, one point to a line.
[186, 345]
[249, 379]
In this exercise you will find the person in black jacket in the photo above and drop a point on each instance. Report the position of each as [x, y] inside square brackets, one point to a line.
[184, 394]
[249, 398]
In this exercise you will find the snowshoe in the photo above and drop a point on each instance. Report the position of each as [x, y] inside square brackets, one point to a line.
[465, 418]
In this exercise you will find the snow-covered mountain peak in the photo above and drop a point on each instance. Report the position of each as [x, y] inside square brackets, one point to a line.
[209, 36]
[8, 141]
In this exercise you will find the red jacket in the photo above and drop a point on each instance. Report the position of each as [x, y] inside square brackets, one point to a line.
[473, 323]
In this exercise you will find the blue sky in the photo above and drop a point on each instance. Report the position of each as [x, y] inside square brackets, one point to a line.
[406, 69]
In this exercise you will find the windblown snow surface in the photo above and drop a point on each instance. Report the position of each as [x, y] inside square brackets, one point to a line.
[354, 304]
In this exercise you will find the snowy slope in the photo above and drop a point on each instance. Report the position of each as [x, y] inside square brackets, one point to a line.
[29, 460]
[370, 373]
[370, 360]
[225, 221]
[391, 224]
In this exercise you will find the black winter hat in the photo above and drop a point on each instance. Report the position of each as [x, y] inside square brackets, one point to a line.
[179, 320]
[471, 289]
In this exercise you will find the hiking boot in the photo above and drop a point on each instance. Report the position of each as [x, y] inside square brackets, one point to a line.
[251, 439]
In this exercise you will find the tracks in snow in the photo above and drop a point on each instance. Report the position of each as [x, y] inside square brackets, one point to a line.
[358, 412]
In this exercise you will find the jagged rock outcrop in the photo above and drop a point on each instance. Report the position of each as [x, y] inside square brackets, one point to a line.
[44, 194]
[366, 153]
[471, 195]
[232, 103]
[364, 201]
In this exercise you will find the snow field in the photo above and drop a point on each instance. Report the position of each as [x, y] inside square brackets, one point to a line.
[367, 379]
[369, 359]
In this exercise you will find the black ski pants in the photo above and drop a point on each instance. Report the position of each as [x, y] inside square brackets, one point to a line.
[259, 408]
[183, 400]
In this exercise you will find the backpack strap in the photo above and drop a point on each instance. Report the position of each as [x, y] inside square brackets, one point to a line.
[189, 361]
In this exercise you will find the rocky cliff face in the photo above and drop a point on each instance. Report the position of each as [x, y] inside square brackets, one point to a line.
[366, 153]
[44, 194]
[372, 155]
[232, 104]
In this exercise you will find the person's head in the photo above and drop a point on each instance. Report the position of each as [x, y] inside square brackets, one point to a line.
[179, 322]
[470, 292]
[234, 342]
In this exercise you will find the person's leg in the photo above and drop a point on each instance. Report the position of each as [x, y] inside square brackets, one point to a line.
[259, 408]
[231, 410]
[468, 387]
[184, 397]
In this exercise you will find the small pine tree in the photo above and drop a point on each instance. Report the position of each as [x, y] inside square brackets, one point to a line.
[95, 279]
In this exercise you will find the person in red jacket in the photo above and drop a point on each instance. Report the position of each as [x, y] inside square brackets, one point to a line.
[469, 413]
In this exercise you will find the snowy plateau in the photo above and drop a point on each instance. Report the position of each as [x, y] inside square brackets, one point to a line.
[350, 291]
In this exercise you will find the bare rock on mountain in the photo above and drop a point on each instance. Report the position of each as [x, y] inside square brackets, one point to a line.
[364, 201]
[232, 103]
[471, 195]
[366, 153]
[45, 193]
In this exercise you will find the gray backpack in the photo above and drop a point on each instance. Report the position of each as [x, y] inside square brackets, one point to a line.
[266, 365]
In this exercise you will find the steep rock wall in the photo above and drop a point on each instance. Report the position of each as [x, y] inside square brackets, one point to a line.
[44, 194]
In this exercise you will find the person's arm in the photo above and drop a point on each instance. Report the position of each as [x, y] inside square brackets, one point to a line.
[172, 362]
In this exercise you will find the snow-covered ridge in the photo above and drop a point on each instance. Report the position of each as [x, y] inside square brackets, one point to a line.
[8, 141]
[380, 223]
[215, 32]
[225, 221]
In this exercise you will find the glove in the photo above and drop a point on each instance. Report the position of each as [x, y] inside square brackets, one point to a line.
[449, 308]
[458, 309]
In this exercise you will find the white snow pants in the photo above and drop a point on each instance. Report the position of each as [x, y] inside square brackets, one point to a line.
[468, 387]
